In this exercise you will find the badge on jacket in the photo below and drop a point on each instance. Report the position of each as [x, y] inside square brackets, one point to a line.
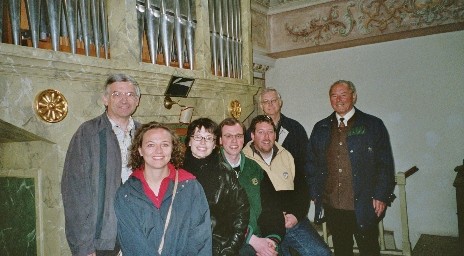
[285, 174]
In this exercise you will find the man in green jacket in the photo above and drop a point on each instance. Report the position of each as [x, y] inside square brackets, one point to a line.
[266, 227]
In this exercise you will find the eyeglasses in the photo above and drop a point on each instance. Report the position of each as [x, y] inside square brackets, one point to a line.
[236, 136]
[267, 102]
[200, 138]
[120, 95]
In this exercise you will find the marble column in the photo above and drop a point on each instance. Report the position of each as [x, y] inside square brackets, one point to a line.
[123, 32]
[202, 42]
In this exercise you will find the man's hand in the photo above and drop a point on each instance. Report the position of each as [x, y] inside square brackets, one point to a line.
[93, 254]
[290, 220]
[263, 246]
[379, 207]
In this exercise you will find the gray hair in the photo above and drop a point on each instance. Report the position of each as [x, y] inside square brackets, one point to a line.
[348, 83]
[113, 78]
[269, 89]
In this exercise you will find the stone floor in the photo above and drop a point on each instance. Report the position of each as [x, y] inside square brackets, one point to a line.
[429, 245]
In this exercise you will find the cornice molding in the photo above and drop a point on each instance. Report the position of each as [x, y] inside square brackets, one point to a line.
[261, 63]
[366, 41]
[286, 6]
[277, 6]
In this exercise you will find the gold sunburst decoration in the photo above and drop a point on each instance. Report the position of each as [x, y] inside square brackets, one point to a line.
[235, 109]
[51, 106]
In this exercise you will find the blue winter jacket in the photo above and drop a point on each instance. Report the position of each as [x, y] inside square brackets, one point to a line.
[141, 224]
[371, 164]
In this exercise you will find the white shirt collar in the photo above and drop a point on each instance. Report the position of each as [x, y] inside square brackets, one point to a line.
[130, 125]
[269, 158]
[347, 116]
[237, 164]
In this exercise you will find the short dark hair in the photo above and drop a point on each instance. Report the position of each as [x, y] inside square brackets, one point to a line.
[204, 122]
[230, 121]
[261, 119]
[136, 160]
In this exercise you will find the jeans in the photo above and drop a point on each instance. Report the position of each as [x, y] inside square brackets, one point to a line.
[304, 239]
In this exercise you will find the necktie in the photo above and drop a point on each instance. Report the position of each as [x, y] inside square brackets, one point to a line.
[342, 124]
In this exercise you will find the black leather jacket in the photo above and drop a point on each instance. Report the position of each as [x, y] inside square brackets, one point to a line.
[228, 202]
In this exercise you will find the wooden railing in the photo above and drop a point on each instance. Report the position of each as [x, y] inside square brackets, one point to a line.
[400, 179]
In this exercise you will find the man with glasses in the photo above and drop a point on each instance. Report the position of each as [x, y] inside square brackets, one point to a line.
[289, 190]
[290, 133]
[228, 202]
[94, 168]
[266, 227]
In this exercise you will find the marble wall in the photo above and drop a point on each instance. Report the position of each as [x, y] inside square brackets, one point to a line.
[17, 225]
[25, 72]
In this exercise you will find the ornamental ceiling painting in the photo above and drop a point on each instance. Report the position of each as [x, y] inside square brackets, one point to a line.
[288, 28]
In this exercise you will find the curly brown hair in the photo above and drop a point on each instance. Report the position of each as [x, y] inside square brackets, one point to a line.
[136, 160]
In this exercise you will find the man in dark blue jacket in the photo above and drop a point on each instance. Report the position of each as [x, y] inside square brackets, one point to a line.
[351, 172]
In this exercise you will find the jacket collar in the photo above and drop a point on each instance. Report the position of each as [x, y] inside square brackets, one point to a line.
[227, 164]
[276, 149]
[183, 175]
[333, 117]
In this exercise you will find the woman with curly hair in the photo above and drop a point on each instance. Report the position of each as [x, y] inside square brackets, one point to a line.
[161, 209]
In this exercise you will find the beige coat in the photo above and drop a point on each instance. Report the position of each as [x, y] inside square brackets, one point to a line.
[282, 169]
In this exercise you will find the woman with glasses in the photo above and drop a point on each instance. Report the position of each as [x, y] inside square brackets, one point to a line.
[227, 200]
[161, 209]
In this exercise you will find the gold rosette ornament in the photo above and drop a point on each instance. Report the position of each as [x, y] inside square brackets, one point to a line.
[51, 106]
[235, 109]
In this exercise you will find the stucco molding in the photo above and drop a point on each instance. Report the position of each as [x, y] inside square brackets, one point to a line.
[261, 63]
[342, 21]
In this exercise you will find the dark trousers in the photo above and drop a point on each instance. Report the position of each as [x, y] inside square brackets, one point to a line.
[342, 226]
[247, 250]
[113, 252]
